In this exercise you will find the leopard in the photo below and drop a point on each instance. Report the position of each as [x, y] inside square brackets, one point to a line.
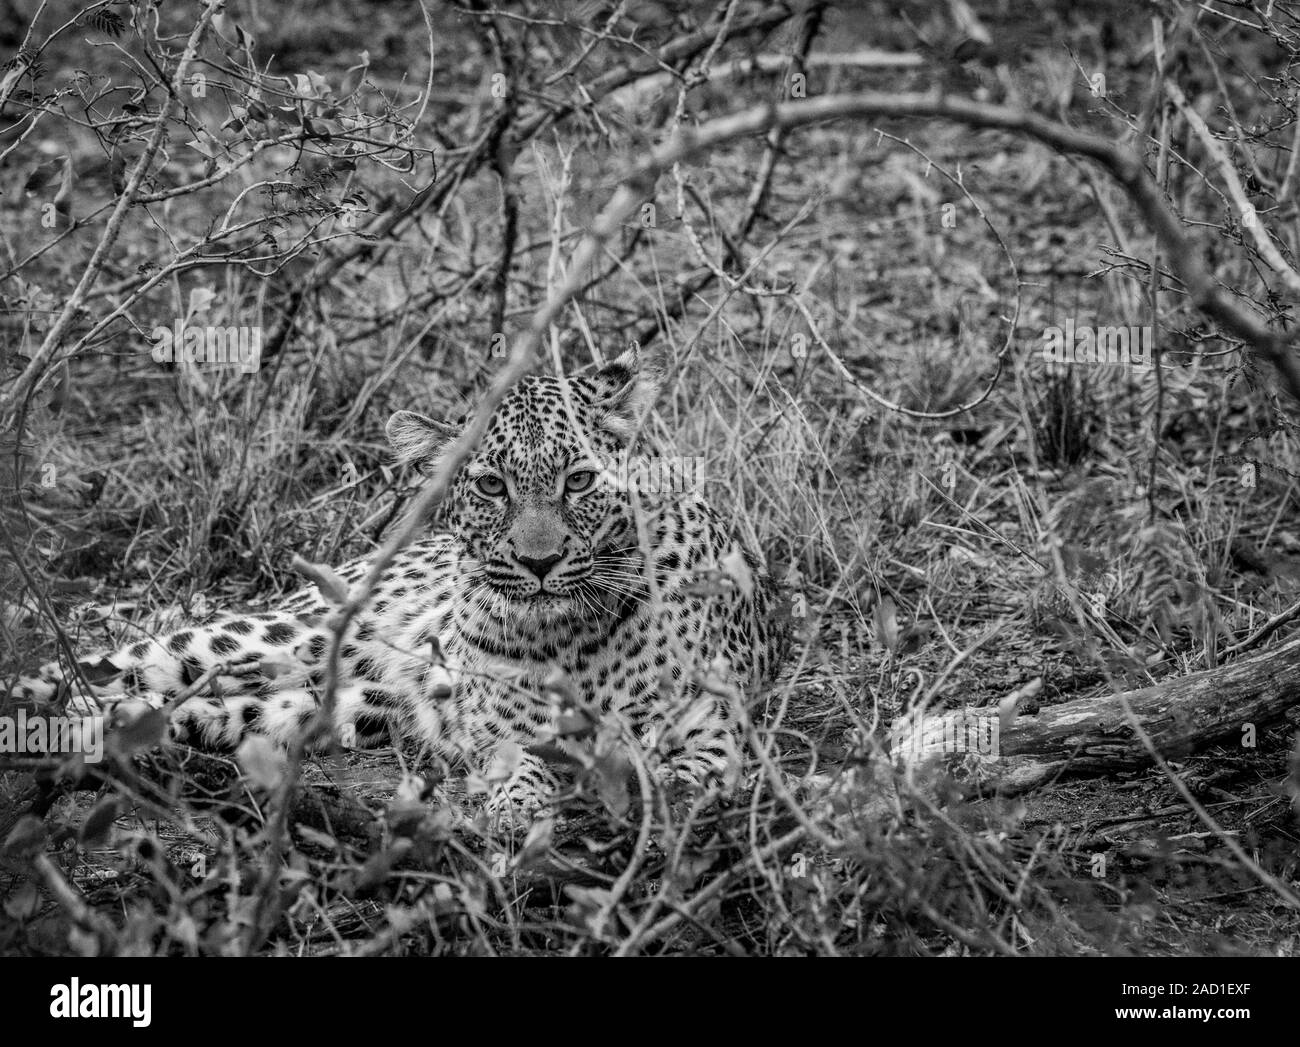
[550, 587]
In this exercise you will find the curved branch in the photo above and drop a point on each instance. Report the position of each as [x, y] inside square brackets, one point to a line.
[1122, 164]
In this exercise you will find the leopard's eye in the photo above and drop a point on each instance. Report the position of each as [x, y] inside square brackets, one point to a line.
[490, 485]
[578, 482]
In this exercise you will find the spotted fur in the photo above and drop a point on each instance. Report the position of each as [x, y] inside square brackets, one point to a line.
[553, 579]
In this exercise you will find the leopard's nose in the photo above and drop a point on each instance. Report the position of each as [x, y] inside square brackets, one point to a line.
[539, 565]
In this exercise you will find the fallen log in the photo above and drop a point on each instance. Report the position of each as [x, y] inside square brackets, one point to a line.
[1098, 736]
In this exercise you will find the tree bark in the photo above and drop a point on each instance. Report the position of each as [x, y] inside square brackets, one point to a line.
[1095, 736]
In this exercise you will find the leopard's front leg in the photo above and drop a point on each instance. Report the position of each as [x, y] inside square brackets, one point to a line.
[697, 744]
[516, 802]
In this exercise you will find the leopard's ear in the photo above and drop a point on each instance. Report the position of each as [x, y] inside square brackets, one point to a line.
[418, 440]
[626, 388]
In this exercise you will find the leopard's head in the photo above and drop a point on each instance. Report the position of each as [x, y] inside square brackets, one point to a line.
[542, 514]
